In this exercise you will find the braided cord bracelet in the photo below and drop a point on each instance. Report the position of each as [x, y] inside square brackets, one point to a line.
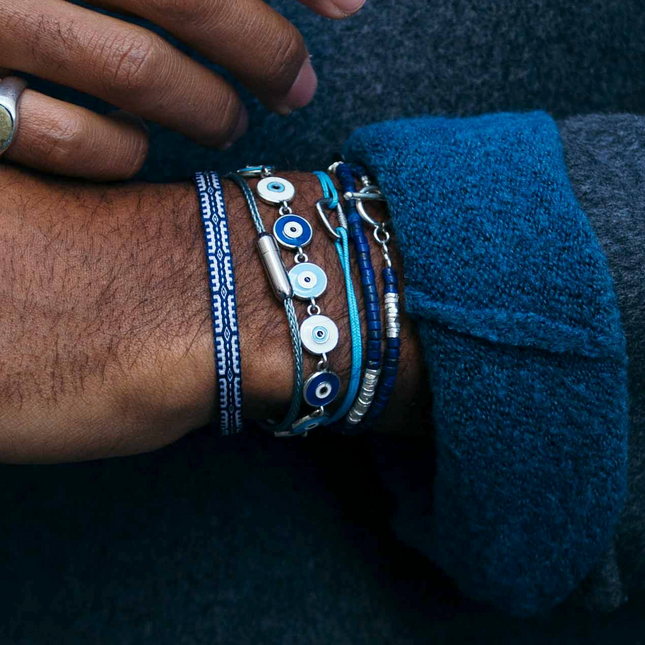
[228, 366]
[341, 242]
[283, 290]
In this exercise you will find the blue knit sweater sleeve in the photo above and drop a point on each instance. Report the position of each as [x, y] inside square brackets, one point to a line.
[522, 337]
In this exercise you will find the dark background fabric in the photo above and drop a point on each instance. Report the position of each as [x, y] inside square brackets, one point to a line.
[249, 540]
[606, 161]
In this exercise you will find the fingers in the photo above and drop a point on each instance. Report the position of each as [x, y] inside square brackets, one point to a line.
[57, 137]
[337, 9]
[123, 64]
[248, 38]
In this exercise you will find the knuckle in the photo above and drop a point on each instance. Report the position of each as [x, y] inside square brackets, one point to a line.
[58, 140]
[287, 59]
[131, 62]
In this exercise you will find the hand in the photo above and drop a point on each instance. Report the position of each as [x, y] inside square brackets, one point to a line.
[106, 341]
[136, 70]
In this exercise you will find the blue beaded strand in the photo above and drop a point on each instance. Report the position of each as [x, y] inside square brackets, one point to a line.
[371, 302]
[390, 371]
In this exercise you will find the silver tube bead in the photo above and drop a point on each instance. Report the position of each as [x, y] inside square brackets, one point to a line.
[274, 267]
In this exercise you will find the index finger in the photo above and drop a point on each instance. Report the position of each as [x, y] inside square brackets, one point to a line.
[248, 38]
[336, 9]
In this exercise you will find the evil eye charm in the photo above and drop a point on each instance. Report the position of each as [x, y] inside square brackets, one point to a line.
[308, 281]
[321, 389]
[275, 190]
[292, 231]
[319, 334]
[307, 424]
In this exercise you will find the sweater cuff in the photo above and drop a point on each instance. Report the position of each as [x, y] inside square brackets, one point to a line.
[522, 337]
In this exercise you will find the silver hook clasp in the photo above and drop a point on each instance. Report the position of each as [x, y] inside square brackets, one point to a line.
[321, 204]
[369, 193]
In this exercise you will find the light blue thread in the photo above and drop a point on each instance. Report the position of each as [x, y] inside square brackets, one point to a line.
[342, 248]
[328, 188]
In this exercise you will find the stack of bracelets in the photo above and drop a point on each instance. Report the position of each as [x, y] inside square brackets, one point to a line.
[371, 385]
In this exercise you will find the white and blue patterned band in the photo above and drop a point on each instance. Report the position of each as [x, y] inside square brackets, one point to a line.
[223, 300]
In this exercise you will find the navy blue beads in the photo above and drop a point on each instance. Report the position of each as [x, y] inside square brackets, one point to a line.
[292, 231]
[392, 346]
[371, 299]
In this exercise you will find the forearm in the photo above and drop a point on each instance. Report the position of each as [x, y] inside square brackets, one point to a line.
[105, 326]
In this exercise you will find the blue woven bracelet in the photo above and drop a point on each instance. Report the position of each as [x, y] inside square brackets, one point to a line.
[228, 364]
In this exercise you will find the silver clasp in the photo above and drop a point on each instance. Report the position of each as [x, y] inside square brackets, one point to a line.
[256, 171]
[321, 204]
[369, 193]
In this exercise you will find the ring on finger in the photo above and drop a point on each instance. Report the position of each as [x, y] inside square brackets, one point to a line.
[11, 89]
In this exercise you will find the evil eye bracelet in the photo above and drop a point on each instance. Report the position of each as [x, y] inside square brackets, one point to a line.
[331, 203]
[367, 391]
[318, 334]
[277, 274]
[387, 382]
[223, 302]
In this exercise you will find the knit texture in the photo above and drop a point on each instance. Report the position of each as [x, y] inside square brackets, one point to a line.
[605, 157]
[521, 332]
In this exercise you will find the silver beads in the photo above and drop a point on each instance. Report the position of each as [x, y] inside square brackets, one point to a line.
[308, 281]
[275, 191]
[392, 312]
[319, 334]
[365, 397]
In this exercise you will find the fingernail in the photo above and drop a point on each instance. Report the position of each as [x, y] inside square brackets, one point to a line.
[349, 7]
[240, 129]
[303, 90]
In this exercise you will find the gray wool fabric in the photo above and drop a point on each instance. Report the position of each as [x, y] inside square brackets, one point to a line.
[605, 157]
[247, 540]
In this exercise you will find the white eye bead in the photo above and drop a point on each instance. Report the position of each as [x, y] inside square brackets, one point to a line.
[275, 190]
[319, 334]
[308, 280]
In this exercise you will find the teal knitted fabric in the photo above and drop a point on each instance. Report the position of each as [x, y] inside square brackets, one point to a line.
[521, 332]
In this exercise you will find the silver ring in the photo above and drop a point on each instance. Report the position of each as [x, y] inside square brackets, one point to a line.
[11, 89]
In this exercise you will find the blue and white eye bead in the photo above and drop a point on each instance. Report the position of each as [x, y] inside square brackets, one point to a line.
[321, 389]
[319, 334]
[292, 231]
[275, 190]
[308, 281]
[309, 423]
